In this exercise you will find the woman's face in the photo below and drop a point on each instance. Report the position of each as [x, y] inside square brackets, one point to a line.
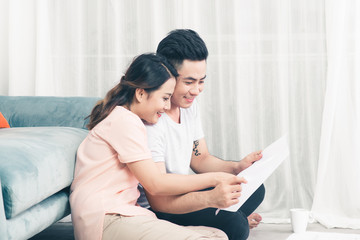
[155, 103]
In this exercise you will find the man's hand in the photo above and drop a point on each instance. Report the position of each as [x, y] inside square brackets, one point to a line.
[248, 161]
[226, 193]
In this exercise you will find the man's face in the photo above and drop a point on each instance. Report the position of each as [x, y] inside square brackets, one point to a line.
[189, 83]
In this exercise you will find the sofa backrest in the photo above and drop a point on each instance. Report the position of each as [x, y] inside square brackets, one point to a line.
[37, 111]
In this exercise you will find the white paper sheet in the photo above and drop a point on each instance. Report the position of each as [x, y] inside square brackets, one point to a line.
[257, 173]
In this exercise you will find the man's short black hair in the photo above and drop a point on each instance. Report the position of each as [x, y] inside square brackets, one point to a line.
[182, 44]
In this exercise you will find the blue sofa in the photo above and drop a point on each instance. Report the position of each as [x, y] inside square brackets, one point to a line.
[37, 157]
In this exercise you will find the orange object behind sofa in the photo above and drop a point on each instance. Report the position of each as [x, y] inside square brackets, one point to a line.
[3, 122]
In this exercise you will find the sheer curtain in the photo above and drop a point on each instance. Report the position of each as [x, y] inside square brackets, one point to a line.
[267, 72]
[274, 67]
[337, 195]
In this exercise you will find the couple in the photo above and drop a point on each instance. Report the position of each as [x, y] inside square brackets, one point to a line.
[121, 151]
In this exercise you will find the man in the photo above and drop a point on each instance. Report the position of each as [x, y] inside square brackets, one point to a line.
[177, 144]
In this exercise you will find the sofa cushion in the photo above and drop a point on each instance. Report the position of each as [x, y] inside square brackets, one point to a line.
[35, 163]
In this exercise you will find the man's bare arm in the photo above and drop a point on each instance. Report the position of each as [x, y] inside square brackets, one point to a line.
[202, 161]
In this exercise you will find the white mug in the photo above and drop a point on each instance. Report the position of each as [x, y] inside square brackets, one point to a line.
[299, 219]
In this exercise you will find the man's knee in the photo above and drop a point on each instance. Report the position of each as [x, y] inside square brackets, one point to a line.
[257, 197]
[254, 201]
[260, 192]
[237, 226]
[242, 232]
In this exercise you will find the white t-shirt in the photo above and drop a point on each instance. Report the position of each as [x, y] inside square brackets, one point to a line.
[172, 142]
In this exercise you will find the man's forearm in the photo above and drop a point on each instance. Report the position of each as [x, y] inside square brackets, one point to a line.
[210, 163]
[202, 161]
[180, 204]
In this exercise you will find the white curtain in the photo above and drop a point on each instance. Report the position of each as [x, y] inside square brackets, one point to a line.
[337, 194]
[275, 66]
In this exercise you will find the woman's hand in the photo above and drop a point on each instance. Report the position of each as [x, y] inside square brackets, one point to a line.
[221, 177]
[226, 192]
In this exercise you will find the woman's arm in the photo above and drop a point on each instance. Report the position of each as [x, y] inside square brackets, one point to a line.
[222, 196]
[158, 183]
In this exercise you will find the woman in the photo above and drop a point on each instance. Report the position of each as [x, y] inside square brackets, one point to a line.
[114, 158]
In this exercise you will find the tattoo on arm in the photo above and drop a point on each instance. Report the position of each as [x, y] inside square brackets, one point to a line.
[195, 149]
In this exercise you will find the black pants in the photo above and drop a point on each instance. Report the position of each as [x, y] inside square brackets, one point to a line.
[234, 224]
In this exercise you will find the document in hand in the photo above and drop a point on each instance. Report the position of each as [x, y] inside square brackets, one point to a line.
[258, 172]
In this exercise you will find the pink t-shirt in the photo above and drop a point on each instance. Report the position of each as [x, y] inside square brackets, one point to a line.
[103, 183]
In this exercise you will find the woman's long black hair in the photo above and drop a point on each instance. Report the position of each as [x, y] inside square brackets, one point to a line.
[147, 71]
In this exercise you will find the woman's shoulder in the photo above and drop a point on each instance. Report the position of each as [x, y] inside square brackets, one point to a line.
[121, 118]
[122, 115]
[120, 111]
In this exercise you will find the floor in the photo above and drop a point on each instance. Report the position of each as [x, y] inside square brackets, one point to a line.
[64, 231]
[283, 231]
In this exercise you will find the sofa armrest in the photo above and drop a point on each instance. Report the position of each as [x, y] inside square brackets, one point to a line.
[3, 227]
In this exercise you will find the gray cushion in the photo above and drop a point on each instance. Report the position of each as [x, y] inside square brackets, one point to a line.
[36, 162]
